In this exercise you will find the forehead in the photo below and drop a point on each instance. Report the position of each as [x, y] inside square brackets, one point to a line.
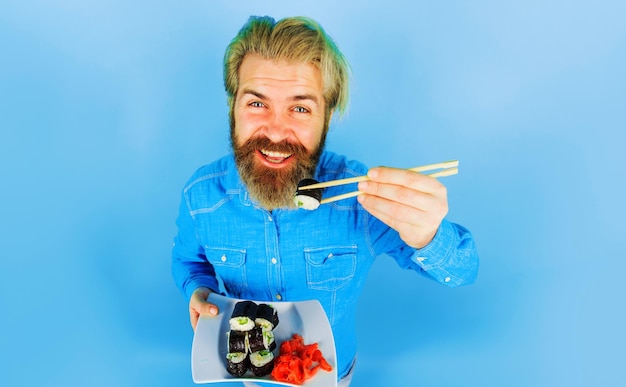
[256, 71]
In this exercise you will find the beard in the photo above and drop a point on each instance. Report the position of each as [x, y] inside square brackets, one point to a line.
[274, 187]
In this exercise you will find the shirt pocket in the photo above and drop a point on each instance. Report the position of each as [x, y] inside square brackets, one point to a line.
[230, 266]
[330, 268]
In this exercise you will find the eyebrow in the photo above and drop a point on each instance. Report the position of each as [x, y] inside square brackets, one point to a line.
[253, 92]
[298, 97]
[302, 97]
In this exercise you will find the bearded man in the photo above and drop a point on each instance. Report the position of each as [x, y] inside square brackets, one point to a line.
[239, 233]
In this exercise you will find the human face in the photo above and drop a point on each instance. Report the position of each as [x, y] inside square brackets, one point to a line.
[278, 127]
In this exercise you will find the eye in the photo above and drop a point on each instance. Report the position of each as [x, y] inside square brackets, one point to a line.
[256, 104]
[300, 109]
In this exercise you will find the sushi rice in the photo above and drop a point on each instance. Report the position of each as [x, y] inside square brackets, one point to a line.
[241, 323]
[306, 202]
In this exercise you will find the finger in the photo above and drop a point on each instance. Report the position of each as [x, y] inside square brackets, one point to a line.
[404, 177]
[400, 216]
[417, 231]
[390, 211]
[201, 309]
[199, 306]
[199, 301]
[193, 318]
[395, 193]
[205, 308]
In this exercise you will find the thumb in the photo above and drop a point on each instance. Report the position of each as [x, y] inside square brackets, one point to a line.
[198, 307]
[204, 307]
[199, 304]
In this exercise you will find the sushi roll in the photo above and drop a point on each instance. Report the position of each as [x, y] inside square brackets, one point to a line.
[259, 339]
[262, 362]
[237, 363]
[266, 317]
[251, 339]
[308, 199]
[268, 340]
[238, 342]
[243, 316]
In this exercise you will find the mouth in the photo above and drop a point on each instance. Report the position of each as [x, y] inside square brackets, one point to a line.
[275, 158]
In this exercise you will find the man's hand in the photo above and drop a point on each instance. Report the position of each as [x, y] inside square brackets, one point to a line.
[409, 202]
[198, 305]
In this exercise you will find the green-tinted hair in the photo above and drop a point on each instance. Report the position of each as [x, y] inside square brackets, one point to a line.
[297, 39]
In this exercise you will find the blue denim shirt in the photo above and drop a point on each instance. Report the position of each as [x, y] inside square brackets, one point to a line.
[228, 243]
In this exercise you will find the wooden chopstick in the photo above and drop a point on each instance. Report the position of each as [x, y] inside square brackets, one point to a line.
[349, 180]
[445, 172]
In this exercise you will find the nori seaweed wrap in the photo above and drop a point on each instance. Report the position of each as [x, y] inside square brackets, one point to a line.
[260, 339]
[237, 341]
[262, 362]
[243, 316]
[237, 363]
[266, 317]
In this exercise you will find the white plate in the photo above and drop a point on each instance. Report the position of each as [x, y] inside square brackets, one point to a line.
[306, 318]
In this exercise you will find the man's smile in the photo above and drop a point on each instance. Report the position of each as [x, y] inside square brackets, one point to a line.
[274, 157]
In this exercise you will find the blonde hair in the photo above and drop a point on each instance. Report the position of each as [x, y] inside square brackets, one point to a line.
[293, 39]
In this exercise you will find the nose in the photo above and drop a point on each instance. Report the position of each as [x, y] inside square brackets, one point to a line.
[277, 128]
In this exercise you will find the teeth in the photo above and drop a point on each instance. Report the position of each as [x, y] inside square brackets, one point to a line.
[275, 154]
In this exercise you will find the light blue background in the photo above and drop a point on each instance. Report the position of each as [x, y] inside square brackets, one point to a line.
[107, 107]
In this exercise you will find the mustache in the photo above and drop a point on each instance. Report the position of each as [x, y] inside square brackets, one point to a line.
[273, 188]
[284, 146]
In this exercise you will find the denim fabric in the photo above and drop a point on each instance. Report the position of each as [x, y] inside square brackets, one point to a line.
[229, 244]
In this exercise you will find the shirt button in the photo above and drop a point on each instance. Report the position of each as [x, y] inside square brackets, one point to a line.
[223, 258]
[279, 297]
[269, 218]
[274, 261]
[447, 279]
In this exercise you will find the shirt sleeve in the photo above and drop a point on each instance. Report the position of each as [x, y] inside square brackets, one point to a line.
[451, 257]
[190, 267]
